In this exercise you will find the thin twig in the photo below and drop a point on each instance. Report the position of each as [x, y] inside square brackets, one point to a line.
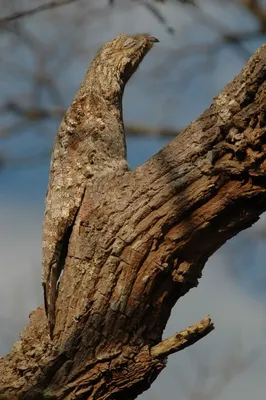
[35, 10]
[33, 114]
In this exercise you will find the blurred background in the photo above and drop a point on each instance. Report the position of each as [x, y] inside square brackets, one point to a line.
[45, 50]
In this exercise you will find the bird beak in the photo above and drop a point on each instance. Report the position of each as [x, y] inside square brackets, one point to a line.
[154, 39]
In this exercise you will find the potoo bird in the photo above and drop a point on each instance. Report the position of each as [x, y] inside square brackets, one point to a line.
[90, 142]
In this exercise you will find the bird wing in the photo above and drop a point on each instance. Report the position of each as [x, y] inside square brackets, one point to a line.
[63, 200]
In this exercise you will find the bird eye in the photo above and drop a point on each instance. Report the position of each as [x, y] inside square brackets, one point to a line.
[129, 43]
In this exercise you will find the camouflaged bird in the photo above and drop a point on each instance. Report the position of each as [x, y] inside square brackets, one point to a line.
[90, 142]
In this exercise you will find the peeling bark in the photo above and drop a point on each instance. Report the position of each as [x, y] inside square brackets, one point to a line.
[140, 242]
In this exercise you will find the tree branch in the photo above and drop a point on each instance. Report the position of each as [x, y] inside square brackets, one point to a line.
[35, 10]
[33, 114]
[183, 339]
[140, 243]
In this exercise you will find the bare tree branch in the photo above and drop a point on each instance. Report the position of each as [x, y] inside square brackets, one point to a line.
[35, 10]
[33, 114]
[183, 339]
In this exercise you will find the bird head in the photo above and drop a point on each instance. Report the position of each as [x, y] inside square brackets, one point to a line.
[123, 54]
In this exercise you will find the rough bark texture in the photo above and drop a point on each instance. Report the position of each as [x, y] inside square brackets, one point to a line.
[141, 243]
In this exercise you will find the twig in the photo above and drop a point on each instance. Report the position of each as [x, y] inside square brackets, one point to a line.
[33, 114]
[140, 130]
[183, 339]
[35, 10]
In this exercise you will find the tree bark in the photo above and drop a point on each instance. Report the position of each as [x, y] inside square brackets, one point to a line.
[142, 242]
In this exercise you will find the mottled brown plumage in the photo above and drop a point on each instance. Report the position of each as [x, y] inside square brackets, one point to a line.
[90, 142]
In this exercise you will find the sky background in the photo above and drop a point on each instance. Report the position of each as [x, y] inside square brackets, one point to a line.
[167, 91]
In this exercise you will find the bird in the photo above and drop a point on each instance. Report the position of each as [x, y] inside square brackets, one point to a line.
[90, 141]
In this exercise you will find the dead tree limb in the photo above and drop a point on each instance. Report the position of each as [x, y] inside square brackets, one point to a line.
[143, 242]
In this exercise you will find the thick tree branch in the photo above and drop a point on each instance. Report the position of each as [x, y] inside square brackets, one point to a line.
[139, 244]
